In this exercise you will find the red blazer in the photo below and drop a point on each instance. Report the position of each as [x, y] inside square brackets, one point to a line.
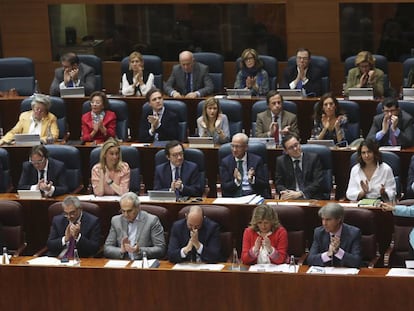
[109, 122]
[278, 239]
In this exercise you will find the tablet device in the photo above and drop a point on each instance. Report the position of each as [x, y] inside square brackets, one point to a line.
[408, 93]
[162, 195]
[29, 194]
[324, 142]
[27, 139]
[238, 93]
[291, 93]
[268, 141]
[361, 93]
[73, 92]
[200, 142]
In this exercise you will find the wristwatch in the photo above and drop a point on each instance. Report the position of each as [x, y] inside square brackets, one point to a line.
[110, 182]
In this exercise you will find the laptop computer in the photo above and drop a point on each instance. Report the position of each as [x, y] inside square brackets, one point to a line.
[200, 142]
[268, 141]
[361, 93]
[162, 195]
[324, 142]
[238, 93]
[26, 139]
[291, 93]
[29, 194]
[73, 92]
[408, 93]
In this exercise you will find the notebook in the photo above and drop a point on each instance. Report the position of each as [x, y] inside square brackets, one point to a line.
[324, 142]
[291, 93]
[29, 194]
[238, 93]
[162, 195]
[27, 139]
[73, 92]
[358, 93]
[408, 93]
[197, 142]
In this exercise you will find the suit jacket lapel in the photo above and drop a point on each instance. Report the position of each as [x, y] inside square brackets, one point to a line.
[140, 226]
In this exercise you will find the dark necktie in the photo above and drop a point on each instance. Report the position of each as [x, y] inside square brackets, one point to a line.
[276, 134]
[42, 174]
[299, 85]
[299, 175]
[70, 84]
[71, 248]
[188, 82]
[177, 176]
[193, 255]
[393, 139]
[240, 168]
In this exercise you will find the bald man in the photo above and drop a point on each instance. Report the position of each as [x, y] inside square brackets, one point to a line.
[195, 238]
[189, 78]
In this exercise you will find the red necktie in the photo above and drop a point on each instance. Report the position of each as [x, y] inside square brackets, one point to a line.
[276, 134]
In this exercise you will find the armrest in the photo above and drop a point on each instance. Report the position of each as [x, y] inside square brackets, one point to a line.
[387, 254]
[78, 189]
[41, 252]
[302, 259]
[20, 250]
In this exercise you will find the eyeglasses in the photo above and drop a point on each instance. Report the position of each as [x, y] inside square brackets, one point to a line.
[249, 58]
[126, 211]
[302, 58]
[38, 109]
[70, 214]
[390, 110]
[293, 147]
[96, 103]
[37, 162]
[233, 146]
[178, 154]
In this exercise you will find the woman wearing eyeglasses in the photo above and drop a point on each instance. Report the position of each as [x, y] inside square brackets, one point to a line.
[251, 75]
[111, 175]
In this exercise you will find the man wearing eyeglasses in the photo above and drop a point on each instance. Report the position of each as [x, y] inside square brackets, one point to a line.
[298, 175]
[177, 174]
[304, 75]
[43, 173]
[134, 232]
[74, 228]
[393, 127]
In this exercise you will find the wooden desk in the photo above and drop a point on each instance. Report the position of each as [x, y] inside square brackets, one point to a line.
[66, 288]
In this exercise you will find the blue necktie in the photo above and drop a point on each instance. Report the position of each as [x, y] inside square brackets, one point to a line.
[70, 84]
[188, 82]
[299, 85]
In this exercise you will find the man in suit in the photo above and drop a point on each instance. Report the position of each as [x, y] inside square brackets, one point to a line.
[177, 174]
[75, 228]
[189, 78]
[393, 127]
[73, 73]
[243, 172]
[298, 175]
[195, 238]
[134, 232]
[36, 121]
[304, 75]
[335, 243]
[274, 121]
[159, 123]
[43, 173]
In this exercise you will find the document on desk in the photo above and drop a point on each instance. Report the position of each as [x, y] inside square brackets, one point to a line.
[116, 263]
[400, 272]
[152, 263]
[45, 261]
[196, 266]
[273, 268]
[107, 198]
[287, 203]
[247, 199]
[332, 270]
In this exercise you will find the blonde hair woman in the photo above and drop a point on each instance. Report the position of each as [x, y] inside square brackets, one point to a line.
[111, 175]
[133, 80]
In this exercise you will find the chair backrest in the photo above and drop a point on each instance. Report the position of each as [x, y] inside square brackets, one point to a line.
[222, 216]
[162, 213]
[152, 64]
[292, 219]
[71, 157]
[180, 108]
[58, 108]
[96, 63]
[129, 155]
[364, 220]
[261, 105]
[351, 110]
[121, 110]
[407, 65]
[5, 164]
[192, 155]
[326, 161]
[232, 109]
[324, 66]
[405, 105]
[11, 218]
[270, 64]
[215, 63]
[17, 73]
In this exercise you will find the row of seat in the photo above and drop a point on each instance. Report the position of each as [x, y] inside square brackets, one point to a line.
[19, 73]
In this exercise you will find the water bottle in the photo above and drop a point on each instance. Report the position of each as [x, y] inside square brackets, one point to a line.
[144, 260]
[49, 138]
[5, 257]
[76, 258]
[120, 88]
[1, 133]
[235, 263]
[292, 265]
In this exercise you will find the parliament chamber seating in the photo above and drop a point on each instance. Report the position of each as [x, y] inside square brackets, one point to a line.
[96, 63]
[215, 63]
[407, 65]
[270, 64]
[17, 73]
[152, 64]
[12, 226]
[5, 183]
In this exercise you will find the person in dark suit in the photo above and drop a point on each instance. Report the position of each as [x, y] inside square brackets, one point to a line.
[303, 182]
[177, 174]
[159, 123]
[274, 120]
[74, 226]
[335, 243]
[195, 238]
[73, 73]
[43, 173]
[304, 75]
[410, 180]
[393, 127]
[242, 172]
[189, 78]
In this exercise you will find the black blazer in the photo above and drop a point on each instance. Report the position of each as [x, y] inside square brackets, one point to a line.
[168, 129]
[314, 74]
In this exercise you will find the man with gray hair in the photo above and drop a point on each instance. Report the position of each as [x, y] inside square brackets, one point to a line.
[74, 228]
[134, 232]
[335, 243]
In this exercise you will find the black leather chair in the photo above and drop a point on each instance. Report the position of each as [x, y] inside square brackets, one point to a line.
[215, 63]
[121, 110]
[71, 157]
[11, 220]
[261, 105]
[163, 214]
[152, 64]
[407, 65]
[5, 183]
[270, 64]
[129, 155]
[234, 112]
[58, 108]
[96, 63]
[17, 73]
